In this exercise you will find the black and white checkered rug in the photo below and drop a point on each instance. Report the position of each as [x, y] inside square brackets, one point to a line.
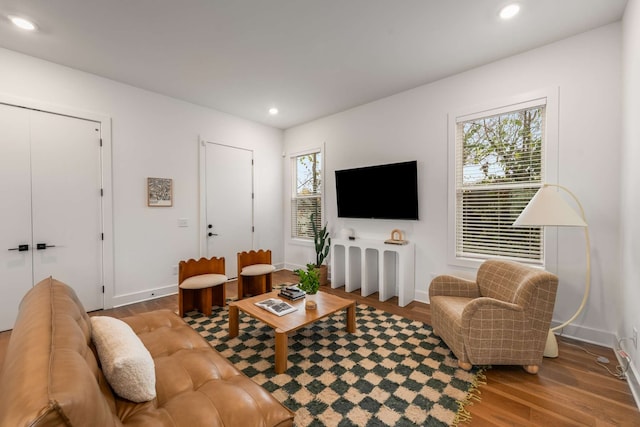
[391, 371]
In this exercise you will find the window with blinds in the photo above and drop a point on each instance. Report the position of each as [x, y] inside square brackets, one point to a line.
[499, 167]
[307, 194]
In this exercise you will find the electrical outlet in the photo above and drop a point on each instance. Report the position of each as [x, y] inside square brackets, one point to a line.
[635, 337]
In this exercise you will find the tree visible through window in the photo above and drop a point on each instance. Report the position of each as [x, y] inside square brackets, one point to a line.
[307, 194]
[499, 167]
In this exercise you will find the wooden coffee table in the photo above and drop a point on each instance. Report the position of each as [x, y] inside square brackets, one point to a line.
[327, 305]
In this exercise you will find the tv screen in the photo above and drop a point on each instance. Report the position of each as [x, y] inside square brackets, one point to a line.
[379, 192]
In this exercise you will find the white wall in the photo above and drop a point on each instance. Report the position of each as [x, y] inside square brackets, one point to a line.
[629, 314]
[413, 126]
[154, 136]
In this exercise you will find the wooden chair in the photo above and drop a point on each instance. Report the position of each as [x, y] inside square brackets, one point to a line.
[254, 272]
[201, 285]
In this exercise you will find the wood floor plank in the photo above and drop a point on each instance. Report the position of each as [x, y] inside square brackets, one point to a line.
[570, 390]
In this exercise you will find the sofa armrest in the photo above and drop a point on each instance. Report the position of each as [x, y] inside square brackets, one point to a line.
[446, 285]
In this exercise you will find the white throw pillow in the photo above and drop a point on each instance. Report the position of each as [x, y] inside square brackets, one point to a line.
[126, 362]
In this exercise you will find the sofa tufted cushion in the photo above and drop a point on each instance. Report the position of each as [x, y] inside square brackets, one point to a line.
[196, 386]
[125, 361]
[257, 269]
[203, 281]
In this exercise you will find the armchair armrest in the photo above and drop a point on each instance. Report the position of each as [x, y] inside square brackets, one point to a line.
[495, 330]
[485, 304]
[453, 286]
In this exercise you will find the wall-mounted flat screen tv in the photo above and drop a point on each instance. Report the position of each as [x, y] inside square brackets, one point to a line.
[387, 191]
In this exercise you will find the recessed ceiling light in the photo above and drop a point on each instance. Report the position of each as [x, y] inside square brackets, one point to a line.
[273, 111]
[509, 11]
[23, 23]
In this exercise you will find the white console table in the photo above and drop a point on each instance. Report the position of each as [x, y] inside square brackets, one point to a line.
[374, 266]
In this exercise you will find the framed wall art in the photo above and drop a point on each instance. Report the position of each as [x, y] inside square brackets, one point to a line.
[159, 192]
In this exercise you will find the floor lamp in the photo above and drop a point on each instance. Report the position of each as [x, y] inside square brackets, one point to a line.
[547, 208]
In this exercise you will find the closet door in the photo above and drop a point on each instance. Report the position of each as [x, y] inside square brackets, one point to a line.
[66, 204]
[15, 212]
[50, 180]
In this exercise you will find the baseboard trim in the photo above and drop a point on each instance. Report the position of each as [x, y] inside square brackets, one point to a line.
[147, 295]
[294, 267]
[633, 378]
[422, 296]
[590, 335]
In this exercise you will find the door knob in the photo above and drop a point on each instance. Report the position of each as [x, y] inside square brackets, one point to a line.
[212, 234]
[20, 248]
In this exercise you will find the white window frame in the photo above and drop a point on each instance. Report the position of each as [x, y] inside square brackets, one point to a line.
[293, 195]
[550, 165]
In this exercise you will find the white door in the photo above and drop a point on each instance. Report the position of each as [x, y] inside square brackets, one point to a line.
[66, 204]
[229, 203]
[57, 193]
[16, 272]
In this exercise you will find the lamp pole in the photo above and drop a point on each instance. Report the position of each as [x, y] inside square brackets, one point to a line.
[551, 347]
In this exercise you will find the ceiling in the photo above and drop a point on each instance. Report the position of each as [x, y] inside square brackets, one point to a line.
[307, 58]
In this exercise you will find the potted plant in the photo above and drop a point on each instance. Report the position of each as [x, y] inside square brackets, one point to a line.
[309, 283]
[309, 279]
[322, 243]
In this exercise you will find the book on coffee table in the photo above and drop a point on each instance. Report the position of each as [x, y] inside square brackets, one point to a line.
[276, 306]
[292, 293]
[291, 297]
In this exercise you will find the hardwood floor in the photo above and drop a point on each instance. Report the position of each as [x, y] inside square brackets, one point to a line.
[570, 390]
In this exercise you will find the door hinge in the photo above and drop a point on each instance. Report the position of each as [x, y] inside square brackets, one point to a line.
[251, 162]
[102, 236]
[101, 192]
[103, 289]
[252, 196]
[253, 229]
[100, 142]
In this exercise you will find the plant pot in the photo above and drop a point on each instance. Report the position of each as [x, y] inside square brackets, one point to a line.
[324, 276]
[310, 302]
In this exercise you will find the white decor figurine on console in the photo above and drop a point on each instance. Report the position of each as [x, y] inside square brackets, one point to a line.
[396, 238]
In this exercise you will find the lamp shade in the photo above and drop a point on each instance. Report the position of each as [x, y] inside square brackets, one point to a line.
[548, 208]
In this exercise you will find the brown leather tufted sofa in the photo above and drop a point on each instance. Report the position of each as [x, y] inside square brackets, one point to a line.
[51, 374]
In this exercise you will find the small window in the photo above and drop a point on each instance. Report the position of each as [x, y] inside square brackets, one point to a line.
[499, 166]
[307, 194]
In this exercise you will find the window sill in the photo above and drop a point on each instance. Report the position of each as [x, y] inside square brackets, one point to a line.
[301, 242]
[468, 262]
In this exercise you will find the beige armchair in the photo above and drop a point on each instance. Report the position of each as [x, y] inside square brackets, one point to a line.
[502, 318]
